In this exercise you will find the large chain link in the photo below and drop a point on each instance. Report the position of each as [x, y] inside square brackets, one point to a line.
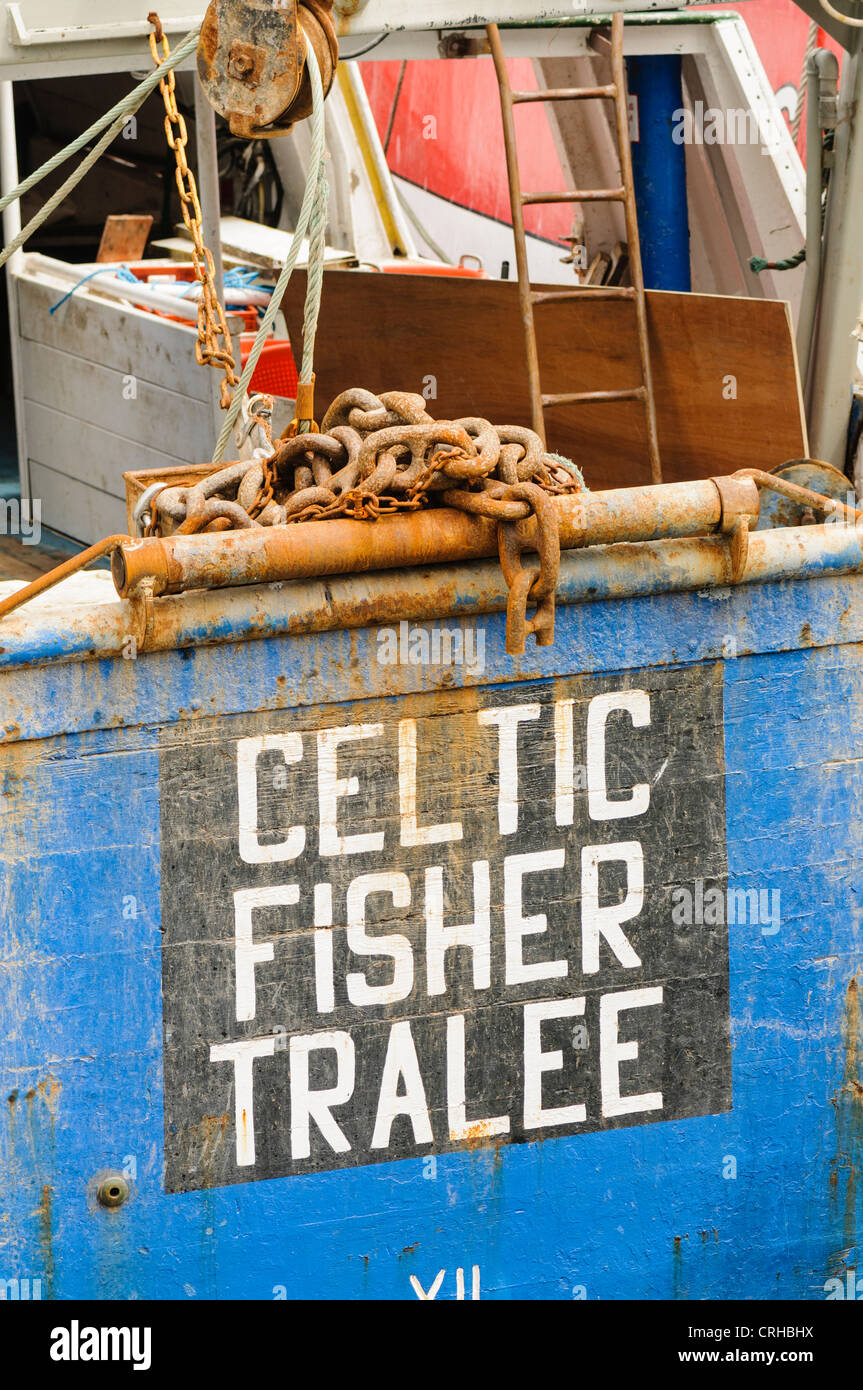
[511, 507]
[214, 347]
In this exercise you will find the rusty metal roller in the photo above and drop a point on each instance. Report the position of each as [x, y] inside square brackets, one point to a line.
[252, 61]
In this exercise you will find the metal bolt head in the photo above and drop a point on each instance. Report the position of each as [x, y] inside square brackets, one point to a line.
[113, 1191]
[454, 46]
[245, 61]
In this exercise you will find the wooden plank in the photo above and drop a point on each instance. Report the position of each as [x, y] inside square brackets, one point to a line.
[130, 341]
[74, 508]
[19, 561]
[124, 238]
[725, 372]
[93, 455]
[85, 390]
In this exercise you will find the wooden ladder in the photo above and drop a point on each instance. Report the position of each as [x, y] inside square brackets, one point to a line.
[614, 91]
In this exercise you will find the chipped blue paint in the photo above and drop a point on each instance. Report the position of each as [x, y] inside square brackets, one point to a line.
[646, 1212]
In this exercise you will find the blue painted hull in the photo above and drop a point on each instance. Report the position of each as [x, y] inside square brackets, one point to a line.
[762, 1201]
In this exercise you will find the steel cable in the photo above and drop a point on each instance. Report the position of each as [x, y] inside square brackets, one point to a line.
[313, 207]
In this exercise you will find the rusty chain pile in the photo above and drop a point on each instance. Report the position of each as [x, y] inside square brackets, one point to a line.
[374, 455]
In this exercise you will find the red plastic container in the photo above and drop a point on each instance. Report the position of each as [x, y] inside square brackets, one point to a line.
[407, 267]
[276, 372]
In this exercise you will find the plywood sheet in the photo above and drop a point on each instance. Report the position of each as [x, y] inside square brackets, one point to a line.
[725, 369]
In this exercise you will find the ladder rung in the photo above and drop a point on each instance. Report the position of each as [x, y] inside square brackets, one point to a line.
[584, 195]
[585, 292]
[635, 393]
[566, 94]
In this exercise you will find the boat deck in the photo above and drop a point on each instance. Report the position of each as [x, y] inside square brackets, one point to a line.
[27, 562]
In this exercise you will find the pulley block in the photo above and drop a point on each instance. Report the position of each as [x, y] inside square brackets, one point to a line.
[252, 61]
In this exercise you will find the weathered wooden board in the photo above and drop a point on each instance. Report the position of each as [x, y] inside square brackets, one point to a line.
[402, 928]
[75, 508]
[106, 388]
[88, 453]
[21, 561]
[131, 341]
[124, 238]
[724, 369]
[150, 415]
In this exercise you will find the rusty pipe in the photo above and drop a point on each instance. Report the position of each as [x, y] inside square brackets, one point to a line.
[437, 536]
[86, 626]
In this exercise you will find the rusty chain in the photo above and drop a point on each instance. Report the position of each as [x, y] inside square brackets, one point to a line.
[374, 455]
[526, 584]
[214, 347]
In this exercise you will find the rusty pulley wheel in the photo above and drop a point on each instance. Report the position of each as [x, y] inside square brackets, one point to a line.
[252, 61]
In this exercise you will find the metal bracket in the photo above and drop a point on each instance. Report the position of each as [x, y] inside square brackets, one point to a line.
[143, 614]
[459, 43]
[740, 503]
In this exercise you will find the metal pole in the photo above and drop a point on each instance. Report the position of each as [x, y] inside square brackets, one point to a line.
[77, 629]
[11, 228]
[441, 535]
[618, 73]
[822, 72]
[659, 172]
[210, 197]
[835, 353]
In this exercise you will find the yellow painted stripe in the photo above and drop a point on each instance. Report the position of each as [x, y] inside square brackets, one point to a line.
[364, 144]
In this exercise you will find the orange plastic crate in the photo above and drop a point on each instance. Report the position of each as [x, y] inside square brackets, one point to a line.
[276, 372]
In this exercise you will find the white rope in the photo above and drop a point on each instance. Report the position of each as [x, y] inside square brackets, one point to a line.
[314, 288]
[843, 18]
[811, 45]
[125, 108]
[315, 186]
[63, 191]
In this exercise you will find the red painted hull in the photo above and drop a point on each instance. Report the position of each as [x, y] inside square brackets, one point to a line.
[441, 120]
